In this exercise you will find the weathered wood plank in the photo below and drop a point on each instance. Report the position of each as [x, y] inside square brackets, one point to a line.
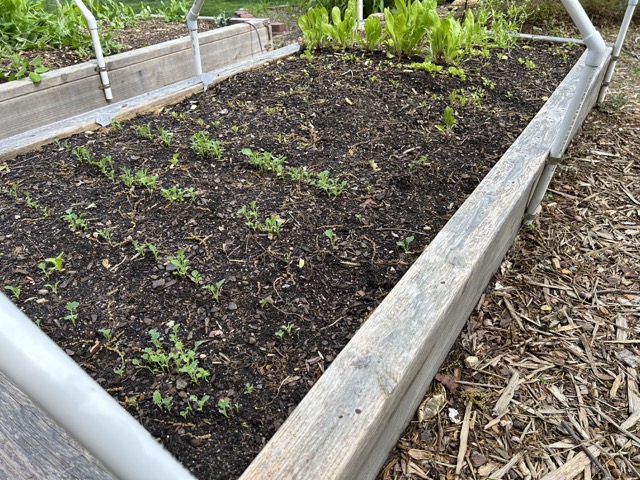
[130, 74]
[24, 142]
[347, 423]
[33, 447]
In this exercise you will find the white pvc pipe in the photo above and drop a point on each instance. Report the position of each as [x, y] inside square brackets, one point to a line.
[97, 48]
[545, 38]
[617, 48]
[596, 54]
[192, 25]
[53, 381]
[360, 14]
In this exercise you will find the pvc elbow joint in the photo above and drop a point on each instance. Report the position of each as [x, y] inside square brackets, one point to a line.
[192, 20]
[596, 49]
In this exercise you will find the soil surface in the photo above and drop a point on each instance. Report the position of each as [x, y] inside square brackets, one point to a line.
[135, 257]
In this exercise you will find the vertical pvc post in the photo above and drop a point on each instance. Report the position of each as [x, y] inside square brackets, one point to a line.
[192, 25]
[617, 48]
[360, 8]
[97, 48]
[55, 383]
[596, 49]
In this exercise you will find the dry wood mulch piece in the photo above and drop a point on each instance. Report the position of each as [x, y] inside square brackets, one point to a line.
[543, 382]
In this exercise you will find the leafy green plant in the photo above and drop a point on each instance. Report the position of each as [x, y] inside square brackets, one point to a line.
[288, 328]
[426, 66]
[199, 403]
[15, 290]
[405, 244]
[143, 131]
[105, 234]
[180, 262]
[143, 179]
[204, 147]
[224, 406]
[342, 31]
[83, 154]
[248, 388]
[457, 72]
[528, 63]
[407, 25]
[76, 222]
[333, 238]
[163, 403]
[177, 194]
[72, 308]
[106, 333]
[331, 186]
[313, 25]
[372, 33]
[19, 67]
[272, 224]
[214, 289]
[165, 136]
[445, 40]
[176, 359]
[265, 161]
[449, 119]
[51, 265]
[195, 277]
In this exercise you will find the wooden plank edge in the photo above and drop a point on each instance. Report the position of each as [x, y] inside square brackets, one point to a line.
[210, 42]
[25, 142]
[351, 418]
[35, 447]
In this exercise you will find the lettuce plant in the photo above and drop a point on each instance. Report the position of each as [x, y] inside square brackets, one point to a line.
[372, 33]
[312, 25]
[407, 26]
[342, 31]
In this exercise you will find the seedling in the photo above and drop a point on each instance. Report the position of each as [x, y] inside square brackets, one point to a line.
[215, 289]
[143, 179]
[76, 222]
[224, 406]
[83, 154]
[174, 160]
[420, 162]
[53, 288]
[272, 224]
[72, 308]
[265, 161]
[107, 333]
[288, 328]
[331, 186]
[449, 120]
[264, 302]
[333, 238]
[204, 147]
[180, 262]
[105, 234]
[163, 403]
[195, 277]
[405, 244]
[528, 63]
[51, 265]
[105, 164]
[176, 359]
[173, 194]
[248, 388]
[15, 291]
[127, 177]
[165, 136]
[143, 131]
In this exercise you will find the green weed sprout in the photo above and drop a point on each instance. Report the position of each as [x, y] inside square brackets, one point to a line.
[163, 403]
[224, 406]
[333, 238]
[405, 244]
[214, 289]
[72, 308]
[51, 265]
[76, 222]
[15, 291]
[204, 147]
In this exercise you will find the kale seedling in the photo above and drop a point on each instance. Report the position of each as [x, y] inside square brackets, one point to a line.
[76, 222]
[204, 147]
[214, 289]
[405, 244]
[51, 265]
[163, 403]
[15, 291]
[180, 262]
[72, 308]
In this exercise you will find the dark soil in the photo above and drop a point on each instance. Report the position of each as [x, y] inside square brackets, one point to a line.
[290, 301]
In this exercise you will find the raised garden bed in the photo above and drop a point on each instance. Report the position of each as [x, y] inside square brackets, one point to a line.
[75, 90]
[290, 301]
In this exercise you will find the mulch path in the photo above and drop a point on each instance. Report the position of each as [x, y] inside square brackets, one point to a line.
[290, 299]
[547, 367]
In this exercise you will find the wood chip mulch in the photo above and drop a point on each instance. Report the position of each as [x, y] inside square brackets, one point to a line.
[543, 381]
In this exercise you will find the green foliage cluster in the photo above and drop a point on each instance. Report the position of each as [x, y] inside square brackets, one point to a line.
[173, 358]
[27, 24]
[16, 67]
[414, 26]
